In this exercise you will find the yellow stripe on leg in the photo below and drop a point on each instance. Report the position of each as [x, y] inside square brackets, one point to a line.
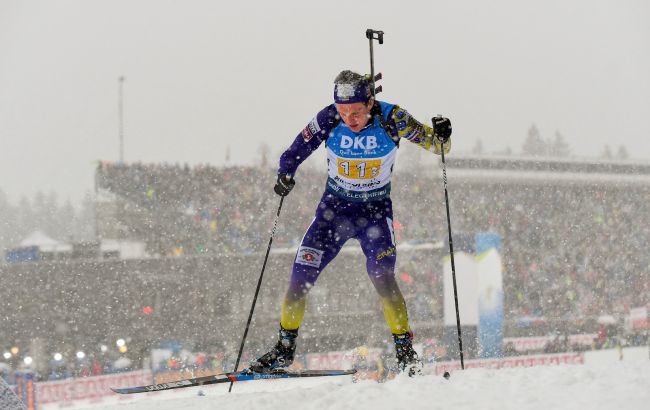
[395, 314]
[293, 312]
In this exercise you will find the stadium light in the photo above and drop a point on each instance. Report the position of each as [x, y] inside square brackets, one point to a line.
[7, 355]
[58, 357]
[120, 342]
[14, 350]
[28, 360]
[80, 355]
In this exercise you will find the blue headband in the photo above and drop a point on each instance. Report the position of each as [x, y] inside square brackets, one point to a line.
[349, 93]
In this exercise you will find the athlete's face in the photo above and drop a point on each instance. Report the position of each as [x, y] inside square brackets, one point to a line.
[355, 115]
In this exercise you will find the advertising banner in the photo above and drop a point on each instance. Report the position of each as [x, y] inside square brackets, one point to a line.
[490, 294]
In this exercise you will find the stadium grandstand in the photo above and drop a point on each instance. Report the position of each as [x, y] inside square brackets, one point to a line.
[575, 242]
[564, 223]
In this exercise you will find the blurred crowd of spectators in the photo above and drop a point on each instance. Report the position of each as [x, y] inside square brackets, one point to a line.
[570, 250]
[572, 253]
[220, 210]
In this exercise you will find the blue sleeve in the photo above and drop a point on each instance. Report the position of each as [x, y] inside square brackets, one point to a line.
[308, 140]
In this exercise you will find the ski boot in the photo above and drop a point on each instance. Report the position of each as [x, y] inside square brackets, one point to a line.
[280, 356]
[407, 358]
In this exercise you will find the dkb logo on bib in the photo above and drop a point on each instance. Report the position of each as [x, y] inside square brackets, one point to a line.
[359, 142]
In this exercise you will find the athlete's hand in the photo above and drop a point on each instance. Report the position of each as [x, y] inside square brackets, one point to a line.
[284, 185]
[441, 129]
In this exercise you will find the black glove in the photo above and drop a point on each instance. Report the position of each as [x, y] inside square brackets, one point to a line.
[441, 128]
[284, 185]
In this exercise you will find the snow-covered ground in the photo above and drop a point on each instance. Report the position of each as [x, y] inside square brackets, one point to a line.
[613, 385]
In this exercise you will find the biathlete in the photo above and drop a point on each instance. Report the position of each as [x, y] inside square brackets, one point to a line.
[361, 136]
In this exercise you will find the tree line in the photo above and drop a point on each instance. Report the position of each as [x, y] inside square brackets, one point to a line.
[44, 212]
[537, 146]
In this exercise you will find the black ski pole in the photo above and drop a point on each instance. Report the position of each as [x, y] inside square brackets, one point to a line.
[451, 252]
[257, 291]
[379, 36]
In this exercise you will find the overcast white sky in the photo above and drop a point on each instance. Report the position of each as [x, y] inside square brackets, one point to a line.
[202, 75]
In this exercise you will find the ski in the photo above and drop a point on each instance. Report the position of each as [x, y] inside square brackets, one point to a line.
[240, 376]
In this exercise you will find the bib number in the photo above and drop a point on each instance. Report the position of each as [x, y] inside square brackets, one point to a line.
[359, 169]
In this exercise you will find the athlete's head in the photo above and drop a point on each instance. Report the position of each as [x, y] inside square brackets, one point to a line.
[353, 99]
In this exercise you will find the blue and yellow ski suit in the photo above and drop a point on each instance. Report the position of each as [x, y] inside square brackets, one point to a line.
[356, 202]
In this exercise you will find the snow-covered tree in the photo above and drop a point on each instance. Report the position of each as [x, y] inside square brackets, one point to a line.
[559, 147]
[534, 145]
